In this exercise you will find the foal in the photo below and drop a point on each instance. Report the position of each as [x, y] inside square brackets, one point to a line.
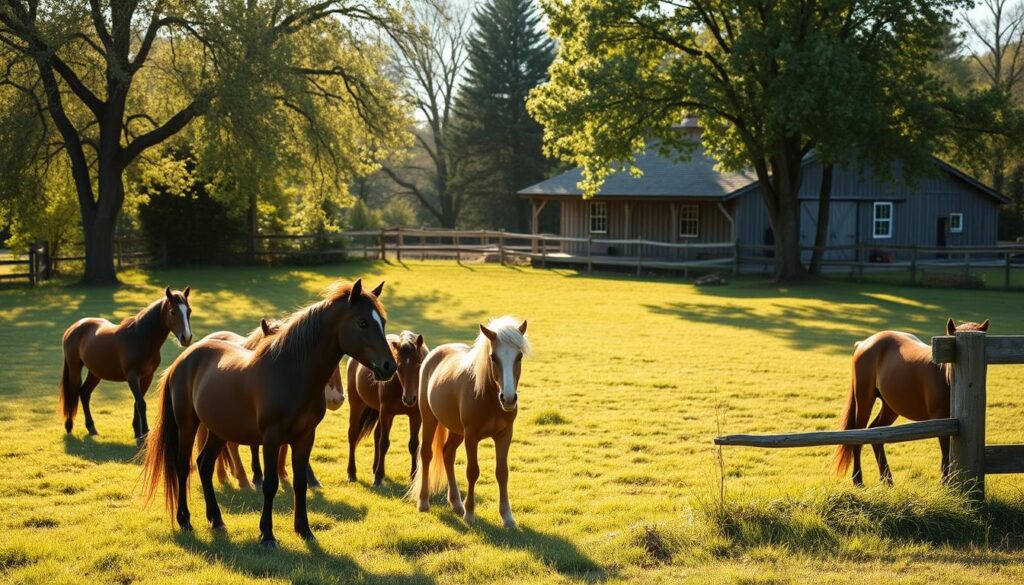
[896, 368]
[128, 352]
[379, 402]
[272, 396]
[469, 393]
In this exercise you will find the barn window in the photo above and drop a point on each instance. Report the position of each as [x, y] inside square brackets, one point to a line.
[956, 223]
[598, 217]
[882, 220]
[688, 221]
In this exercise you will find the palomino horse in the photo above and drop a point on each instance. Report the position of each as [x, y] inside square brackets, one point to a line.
[371, 401]
[273, 395]
[897, 368]
[127, 352]
[469, 393]
[229, 457]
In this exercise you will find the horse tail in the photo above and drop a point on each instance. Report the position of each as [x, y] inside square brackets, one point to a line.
[438, 478]
[848, 420]
[367, 420]
[68, 396]
[162, 449]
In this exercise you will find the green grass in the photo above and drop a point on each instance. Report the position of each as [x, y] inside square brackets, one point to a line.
[613, 474]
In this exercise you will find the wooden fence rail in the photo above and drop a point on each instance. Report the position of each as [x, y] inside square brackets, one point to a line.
[968, 354]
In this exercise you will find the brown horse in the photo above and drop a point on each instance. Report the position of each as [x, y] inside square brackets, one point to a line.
[897, 368]
[230, 457]
[469, 393]
[372, 402]
[127, 352]
[273, 395]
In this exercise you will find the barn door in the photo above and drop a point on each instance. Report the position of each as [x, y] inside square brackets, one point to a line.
[842, 228]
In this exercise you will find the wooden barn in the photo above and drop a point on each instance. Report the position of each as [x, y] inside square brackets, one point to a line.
[690, 201]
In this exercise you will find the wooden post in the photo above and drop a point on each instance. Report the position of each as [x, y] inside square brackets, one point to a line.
[366, 247]
[543, 253]
[398, 245]
[383, 250]
[590, 254]
[639, 259]
[501, 247]
[967, 406]
[1006, 273]
[31, 265]
[913, 264]
[458, 251]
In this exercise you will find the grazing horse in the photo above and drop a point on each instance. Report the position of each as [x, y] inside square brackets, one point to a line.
[273, 395]
[379, 402]
[469, 393]
[229, 457]
[897, 368]
[127, 352]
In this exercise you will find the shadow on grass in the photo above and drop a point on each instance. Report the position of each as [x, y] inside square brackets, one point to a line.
[86, 447]
[314, 565]
[554, 551]
[237, 501]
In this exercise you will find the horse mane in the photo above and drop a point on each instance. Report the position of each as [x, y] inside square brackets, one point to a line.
[302, 329]
[477, 360]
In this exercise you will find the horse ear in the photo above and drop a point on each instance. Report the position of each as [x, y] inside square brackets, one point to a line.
[984, 326]
[357, 291]
[419, 340]
[167, 291]
[378, 289]
[950, 327]
[265, 327]
[488, 333]
[522, 327]
[185, 292]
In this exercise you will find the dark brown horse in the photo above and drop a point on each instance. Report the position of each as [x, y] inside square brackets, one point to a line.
[897, 368]
[372, 402]
[230, 457]
[273, 396]
[127, 352]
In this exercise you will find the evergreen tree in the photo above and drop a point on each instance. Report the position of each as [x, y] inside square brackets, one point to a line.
[509, 54]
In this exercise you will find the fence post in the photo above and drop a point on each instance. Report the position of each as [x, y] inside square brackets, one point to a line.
[501, 247]
[458, 251]
[32, 265]
[398, 245]
[590, 254]
[967, 406]
[736, 258]
[640, 259]
[913, 264]
[543, 252]
[383, 251]
[366, 247]
[1006, 273]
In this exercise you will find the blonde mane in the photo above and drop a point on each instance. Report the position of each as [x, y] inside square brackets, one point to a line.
[477, 360]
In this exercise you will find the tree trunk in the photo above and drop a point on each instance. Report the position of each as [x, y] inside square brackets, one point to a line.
[821, 230]
[99, 251]
[788, 266]
[100, 220]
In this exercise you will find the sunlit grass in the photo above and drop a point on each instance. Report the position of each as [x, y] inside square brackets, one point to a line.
[613, 478]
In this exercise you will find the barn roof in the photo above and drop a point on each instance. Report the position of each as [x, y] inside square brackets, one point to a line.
[662, 177]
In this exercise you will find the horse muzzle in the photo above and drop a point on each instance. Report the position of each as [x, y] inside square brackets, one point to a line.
[385, 370]
[508, 405]
[185, 341]
[411, 401]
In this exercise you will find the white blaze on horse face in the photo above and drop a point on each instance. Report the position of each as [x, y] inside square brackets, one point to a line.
[376, 318]
[506, 355]
[187, 333]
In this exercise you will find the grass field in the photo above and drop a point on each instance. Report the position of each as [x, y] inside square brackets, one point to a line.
[614, 477]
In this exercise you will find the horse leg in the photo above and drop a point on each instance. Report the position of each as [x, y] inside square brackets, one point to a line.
[426, 455]
[886, 416]
[472, 474]
[257, 470]
[282, 462]
[140, 407]
[186, 440]
[501, 445]
[205, 463]
[91, 381]
[144, 383]
[944, 467]
[237, 469]
[865, 402]
[377, 430]
[414, 440]
[451, 446]
[271, 445]
[300, 466]
[383, 443]
[355, 412]
[311, 480]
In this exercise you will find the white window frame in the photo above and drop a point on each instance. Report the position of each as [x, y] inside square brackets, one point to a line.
[595, 206]
[959, 229]
[694, 220]
[877, 221]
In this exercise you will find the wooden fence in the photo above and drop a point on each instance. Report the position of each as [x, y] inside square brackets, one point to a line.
[36, 262]
[969, 353]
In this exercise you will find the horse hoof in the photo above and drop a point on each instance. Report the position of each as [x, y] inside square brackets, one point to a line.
[469, 517]
[186, 526]
[511, 524]
[268, 542]
[352, 477]
[307, 535]
[424, 506]
[92, 431]
[377, 483]
[315, 486]
[139, 442]
[219, 526]
[459, 509]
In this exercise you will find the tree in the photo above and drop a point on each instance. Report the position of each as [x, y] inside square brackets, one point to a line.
[113, 79]
[432, 64]
[509, 54]
[760, 76]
